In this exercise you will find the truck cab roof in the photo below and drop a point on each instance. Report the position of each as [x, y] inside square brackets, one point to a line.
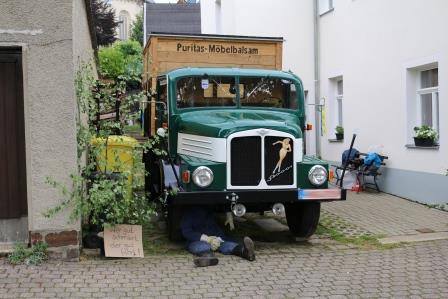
[243, 72]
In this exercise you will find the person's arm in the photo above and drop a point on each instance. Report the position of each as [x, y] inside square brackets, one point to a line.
[186, 227]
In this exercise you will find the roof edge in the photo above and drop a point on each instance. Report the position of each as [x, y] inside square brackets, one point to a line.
[217, 36]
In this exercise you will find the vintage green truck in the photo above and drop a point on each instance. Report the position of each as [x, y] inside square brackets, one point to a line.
[235, 142]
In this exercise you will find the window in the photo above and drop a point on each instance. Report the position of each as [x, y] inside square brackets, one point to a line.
[339, 97]
[123, 27]
[268, 92]
[206, 92]
[325, 6]
[428, 98]
[422, 95]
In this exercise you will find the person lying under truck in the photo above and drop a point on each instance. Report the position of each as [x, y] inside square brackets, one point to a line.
[204, 237]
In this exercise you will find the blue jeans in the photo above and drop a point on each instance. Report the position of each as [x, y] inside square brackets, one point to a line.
[199, 247]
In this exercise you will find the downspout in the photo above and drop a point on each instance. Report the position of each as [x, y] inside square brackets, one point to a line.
[317, 106]
[144, 24]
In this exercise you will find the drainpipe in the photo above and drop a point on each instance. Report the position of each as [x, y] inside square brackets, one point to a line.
[317, 106]
[144, 24]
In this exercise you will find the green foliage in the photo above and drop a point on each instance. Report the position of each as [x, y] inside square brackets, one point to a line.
[112, 62]
[105, 195]
[34, 256]
[339, 130]
[425, 132]
[122, 61]
[137, 29]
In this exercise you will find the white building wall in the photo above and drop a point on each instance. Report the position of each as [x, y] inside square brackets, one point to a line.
[371, 44]
[132, 7]
[293, 21]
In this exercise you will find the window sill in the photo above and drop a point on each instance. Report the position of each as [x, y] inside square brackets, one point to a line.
[413, 146]
[326, 12]
[336, 140]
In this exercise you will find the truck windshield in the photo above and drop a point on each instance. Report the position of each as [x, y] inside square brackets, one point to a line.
[205, 92]
[268, 92]
[221, 91]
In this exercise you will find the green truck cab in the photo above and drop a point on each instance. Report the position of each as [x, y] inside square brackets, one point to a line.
[235, 141]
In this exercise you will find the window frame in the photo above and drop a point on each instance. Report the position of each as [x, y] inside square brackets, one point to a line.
[329, 7]
[434, 92]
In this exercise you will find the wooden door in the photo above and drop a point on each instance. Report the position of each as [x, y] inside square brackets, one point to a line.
[13, 202]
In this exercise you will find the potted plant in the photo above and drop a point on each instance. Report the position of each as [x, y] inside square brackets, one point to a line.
[424, 136]
[339, 133]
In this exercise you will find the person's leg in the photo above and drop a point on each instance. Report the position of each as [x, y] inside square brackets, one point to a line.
[227, 247]
[204, 254]
[199, 247]
[245, 250]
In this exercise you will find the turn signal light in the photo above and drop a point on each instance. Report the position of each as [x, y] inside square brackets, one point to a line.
[309, 127]
[186, 177]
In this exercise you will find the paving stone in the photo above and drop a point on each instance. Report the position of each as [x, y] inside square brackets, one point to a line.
[417, 270]
[384, 214]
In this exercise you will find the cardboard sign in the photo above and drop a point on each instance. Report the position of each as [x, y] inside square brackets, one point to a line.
[123, 241]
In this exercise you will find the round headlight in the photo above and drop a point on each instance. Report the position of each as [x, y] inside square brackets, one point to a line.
[317, 175]
[202, 176]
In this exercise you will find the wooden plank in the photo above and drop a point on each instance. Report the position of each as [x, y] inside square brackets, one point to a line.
[163, 54]
[110, 115]
[216, 47]
[278, 61]
[168, 66]
[268, 60]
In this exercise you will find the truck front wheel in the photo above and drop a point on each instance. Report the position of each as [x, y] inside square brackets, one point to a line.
[303, 218]
[174, 218]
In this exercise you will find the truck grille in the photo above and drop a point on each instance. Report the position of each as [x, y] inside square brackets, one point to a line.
[245, 161]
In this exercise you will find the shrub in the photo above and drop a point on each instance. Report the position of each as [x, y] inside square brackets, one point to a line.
[122, 61]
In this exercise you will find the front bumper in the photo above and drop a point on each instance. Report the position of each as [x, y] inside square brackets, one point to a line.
[257, 196]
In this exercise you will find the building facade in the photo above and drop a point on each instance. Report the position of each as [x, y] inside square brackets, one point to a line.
[126, 11]
[377, 68]
[38, 64]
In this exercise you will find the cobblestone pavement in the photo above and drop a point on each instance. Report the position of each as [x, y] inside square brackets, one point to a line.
[419, 270]
[384, 214]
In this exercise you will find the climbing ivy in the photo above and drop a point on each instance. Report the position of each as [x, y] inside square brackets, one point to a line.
[98, 196]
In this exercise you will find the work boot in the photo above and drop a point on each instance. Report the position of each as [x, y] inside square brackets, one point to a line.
[205, 259]
[246, 251]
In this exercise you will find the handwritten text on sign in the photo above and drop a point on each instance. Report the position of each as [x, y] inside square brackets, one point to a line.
[123, 241]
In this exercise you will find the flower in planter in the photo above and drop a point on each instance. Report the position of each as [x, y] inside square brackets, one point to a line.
[339, 132]
[425, 136]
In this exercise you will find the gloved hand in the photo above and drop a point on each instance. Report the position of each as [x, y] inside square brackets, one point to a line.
[214, 242]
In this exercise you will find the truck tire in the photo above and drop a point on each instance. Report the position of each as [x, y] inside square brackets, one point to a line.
[153, 176]
[303, 218]
[174, 218]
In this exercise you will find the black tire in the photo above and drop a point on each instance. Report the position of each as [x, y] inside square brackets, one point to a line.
[174, 219]
[303, 218]
[154, 177]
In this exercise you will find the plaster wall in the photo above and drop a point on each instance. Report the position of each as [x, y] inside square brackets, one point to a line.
[293, 21]
[82, 46]
[372, 44]
[44, 31]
